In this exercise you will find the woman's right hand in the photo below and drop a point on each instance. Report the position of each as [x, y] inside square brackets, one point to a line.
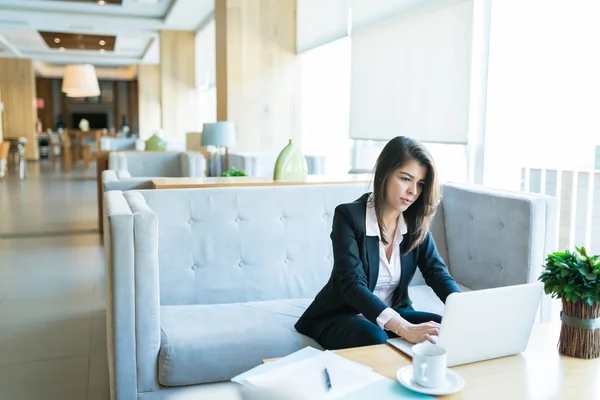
[417, 333]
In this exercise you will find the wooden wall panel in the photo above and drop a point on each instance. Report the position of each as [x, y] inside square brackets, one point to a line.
[178, 93]
[122, 104]
[133, 119]
[149, 104]
[1, 113]
[18, 94]
[258, 72]
[43, 88]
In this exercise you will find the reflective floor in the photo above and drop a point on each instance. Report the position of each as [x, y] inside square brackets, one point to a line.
[52, 298]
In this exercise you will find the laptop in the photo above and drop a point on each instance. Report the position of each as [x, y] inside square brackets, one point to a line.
[485, 324]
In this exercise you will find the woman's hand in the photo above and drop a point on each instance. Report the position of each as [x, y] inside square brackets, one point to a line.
[414, 333]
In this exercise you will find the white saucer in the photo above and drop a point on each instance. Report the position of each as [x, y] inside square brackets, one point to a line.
[454, 382]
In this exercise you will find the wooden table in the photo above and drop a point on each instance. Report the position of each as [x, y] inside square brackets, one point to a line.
[180, 183]
[539, 373]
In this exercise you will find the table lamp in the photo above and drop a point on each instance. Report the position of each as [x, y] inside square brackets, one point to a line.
[217, 137]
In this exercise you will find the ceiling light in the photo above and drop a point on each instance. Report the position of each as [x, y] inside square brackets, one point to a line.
[101, 2]
[102, 51]
[56, 40]
[62, 49]
[102, 43]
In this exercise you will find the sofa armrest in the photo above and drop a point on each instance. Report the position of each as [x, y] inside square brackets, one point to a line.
[140, 145]
[120, 296]
[316, 165]
[147, 296]
[497, 238]
[133, 319]
[111, 181]
[123, 174]
[109, 175]
[193, 164]
[117, 160]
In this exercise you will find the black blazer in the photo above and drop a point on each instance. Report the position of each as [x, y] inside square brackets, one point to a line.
[349, 290]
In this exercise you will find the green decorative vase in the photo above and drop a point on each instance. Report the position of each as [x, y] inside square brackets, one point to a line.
[155, 144]
[290, 164]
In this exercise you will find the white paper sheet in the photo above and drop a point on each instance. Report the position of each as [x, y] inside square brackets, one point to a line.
[306, 379]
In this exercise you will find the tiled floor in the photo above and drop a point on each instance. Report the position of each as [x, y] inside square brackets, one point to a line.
[52, 304]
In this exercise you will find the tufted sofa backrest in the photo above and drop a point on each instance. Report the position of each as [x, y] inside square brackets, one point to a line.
[225, 245]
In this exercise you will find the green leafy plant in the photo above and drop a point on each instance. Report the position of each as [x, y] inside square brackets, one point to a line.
[233, 171]
[572, 276]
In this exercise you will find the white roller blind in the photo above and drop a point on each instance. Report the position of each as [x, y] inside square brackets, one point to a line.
[367, 12]
[319, 22]
[411, 74]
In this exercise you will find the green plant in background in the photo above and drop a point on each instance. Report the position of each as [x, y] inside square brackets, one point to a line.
[572, 276]
[233, 171]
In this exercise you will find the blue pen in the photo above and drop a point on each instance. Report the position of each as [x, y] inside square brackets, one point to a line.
[327, 379]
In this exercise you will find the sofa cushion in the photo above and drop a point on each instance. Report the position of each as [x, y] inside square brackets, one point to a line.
[424, 298]
[209, 343]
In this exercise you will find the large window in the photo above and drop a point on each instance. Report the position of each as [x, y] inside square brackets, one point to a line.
[326, 103]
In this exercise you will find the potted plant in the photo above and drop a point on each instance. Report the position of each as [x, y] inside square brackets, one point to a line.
[574, 277]
[233, 171]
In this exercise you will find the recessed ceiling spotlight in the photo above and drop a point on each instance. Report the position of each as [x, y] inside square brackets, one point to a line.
[56, 40]
[102, 43]
[62, 49]
[101, 2]
[102, 51]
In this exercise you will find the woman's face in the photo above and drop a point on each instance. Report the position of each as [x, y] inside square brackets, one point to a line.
[405, 184]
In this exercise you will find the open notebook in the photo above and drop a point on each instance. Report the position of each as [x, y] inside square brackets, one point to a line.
[301, 376]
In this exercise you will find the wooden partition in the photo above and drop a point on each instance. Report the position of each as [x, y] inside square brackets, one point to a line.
[258, 72]
[17, 84]
[186, 183]
[101, 165]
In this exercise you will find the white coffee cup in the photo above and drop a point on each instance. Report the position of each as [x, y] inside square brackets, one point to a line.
[429, 365]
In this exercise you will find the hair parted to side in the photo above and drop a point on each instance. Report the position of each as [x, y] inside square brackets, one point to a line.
[396, 153]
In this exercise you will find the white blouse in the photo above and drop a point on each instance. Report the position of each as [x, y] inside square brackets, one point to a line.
[389, 271]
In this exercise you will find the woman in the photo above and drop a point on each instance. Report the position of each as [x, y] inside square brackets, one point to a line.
[378, 242]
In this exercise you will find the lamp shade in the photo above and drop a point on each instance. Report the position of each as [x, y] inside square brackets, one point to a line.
[80, 80]
[220, 134]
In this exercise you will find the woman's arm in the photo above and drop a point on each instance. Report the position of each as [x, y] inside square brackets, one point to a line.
[434, 270]
[348, 269]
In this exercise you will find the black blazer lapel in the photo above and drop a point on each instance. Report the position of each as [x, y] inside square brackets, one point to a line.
[372, 260]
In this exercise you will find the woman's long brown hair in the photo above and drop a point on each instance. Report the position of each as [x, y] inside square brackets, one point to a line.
[396, 153]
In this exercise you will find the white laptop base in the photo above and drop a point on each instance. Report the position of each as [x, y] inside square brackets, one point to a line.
[485, 324]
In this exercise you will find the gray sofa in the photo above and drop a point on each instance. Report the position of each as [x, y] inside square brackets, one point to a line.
[264, 164]
[135, 169]
[203, 284]
[121, 144]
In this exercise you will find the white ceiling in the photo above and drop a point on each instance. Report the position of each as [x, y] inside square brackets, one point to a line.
[136, 24]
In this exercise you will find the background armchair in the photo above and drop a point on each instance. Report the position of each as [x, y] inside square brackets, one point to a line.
[264, 164]
[120, 144]
[129, 170]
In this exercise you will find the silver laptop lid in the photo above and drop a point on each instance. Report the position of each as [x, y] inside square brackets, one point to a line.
[489, 323]
[485, 324]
